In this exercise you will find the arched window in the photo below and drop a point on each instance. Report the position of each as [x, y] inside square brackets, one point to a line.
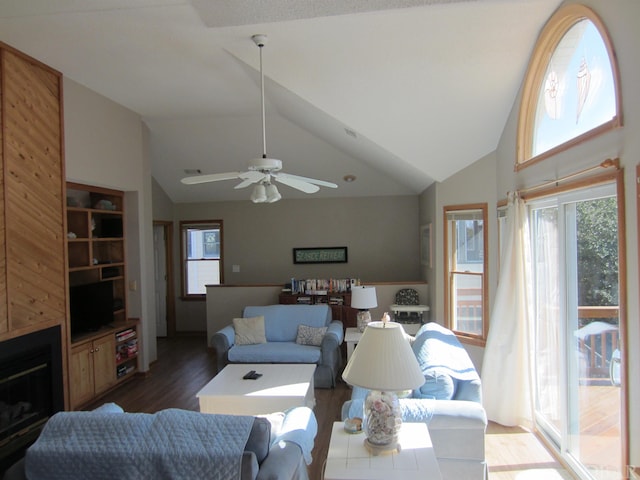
[570, 92]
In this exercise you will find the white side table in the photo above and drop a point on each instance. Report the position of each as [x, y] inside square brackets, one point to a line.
[410, 328]
[348, 459]
[351, 337]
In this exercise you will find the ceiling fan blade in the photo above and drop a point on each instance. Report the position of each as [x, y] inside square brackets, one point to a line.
[214, 177]
[249, 178]
[296, 183]
[322, 183]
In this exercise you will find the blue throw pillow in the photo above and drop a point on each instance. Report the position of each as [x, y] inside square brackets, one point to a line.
[109, 408]
[438, 386]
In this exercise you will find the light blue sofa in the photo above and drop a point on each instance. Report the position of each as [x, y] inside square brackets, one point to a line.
[108, 443]
[449, 402]
[281, 330]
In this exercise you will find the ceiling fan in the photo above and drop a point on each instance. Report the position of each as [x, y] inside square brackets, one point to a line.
[262, 171]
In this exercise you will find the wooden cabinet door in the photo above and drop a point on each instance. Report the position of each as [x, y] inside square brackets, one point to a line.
[288, 299]
[336, 312]
[349, 317]
[81, 369]
[104, 363]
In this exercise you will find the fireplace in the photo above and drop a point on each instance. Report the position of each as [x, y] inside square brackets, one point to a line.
[31, 389]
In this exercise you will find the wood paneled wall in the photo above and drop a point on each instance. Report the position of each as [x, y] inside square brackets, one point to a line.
[33, 266]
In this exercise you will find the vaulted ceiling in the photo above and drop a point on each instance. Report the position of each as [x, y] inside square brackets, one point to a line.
[398, 93]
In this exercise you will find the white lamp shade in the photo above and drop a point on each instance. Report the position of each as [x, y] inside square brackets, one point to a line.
[383, 360]
[363, 297]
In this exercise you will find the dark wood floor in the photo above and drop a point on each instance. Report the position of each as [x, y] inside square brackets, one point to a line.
[185, 365]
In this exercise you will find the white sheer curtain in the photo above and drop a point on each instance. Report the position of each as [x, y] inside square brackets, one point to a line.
[507, 366]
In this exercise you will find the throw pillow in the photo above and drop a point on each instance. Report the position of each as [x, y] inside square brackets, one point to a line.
[438, 386]
[249, 331]
[310, 335]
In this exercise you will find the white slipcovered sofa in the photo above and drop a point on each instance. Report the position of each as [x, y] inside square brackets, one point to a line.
[449, 402]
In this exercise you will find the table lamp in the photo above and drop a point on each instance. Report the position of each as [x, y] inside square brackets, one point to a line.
[384, 363]
[363, 298]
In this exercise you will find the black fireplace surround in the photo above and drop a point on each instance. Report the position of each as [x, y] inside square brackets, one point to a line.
[31, 390]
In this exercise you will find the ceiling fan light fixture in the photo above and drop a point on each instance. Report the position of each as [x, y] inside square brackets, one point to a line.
[262, 170]
[273, 195]
[259, 194]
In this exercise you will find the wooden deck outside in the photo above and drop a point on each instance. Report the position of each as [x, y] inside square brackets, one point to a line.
[600, 433]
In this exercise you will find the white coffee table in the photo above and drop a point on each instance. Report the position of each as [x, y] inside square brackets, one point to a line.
[281, 386]
[348, 459]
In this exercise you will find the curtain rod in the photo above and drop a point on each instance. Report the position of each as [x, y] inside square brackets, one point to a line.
[608, 163]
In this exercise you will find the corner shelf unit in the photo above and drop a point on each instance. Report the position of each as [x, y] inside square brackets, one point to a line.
[99, 360]
[95, 240]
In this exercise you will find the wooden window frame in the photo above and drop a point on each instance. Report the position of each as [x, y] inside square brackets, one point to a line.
[615, 177]
[466, 336]
[553, 32]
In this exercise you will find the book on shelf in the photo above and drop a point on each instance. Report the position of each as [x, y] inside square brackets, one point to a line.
[124, 369]
[127, 350]
[125, 334]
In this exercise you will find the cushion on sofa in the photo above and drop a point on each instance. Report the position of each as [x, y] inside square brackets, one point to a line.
[310, 335]
[275, 352]
[281, 321]
[171, 443]
[444, 362]
[109, 407]
[249, 331]
[259, 439]
[438, 386]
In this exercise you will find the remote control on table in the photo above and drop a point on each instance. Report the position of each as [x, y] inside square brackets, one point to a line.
[249, 375]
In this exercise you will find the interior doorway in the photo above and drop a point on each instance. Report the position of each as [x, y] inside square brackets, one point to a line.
[163, 282]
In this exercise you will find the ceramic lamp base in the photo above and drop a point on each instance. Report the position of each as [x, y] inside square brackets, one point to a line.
[382, 421]
[363, 318]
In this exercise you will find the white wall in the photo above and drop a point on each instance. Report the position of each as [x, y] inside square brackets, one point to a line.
[106, 145]
[162, 204]
[381, 234]
[474, 184]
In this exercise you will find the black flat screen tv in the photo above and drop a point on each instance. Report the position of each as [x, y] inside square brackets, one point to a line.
[111, 228]
[91, 306]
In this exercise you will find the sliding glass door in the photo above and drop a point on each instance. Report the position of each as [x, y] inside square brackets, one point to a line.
[576, 332]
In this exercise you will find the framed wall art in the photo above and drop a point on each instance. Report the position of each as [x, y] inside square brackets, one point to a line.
[320, 255]
[425, 245]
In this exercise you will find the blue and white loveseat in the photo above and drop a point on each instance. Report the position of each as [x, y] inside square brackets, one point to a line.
[449, 402]
[284, 334]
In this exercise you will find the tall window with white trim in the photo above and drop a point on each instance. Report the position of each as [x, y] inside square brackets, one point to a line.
[201, 256]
